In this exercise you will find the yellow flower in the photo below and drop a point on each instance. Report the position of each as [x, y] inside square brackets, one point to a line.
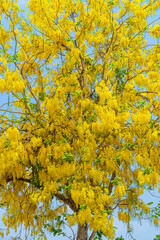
[16, 31]
[156, 221]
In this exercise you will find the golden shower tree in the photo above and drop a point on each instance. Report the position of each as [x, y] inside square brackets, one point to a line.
[79, 133]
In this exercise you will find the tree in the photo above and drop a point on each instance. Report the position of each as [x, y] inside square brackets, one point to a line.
[80, 132]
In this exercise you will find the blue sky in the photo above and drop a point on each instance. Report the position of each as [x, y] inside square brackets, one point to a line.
[146, 230]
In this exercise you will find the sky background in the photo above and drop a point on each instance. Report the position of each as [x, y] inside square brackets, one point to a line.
[144, 230]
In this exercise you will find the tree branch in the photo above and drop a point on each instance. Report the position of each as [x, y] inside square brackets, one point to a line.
[111, 184]
[68, 201]
[92, 235]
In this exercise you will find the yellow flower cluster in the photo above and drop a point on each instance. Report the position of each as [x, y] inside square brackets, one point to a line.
[124, 216]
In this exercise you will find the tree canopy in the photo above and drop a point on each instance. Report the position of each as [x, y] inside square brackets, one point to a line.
[79, 135]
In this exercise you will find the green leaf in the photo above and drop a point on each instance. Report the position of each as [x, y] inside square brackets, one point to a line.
[128, 146]
[73, 84]
[104, 211]
[110, 211]
[13, 58]
[36, 217]
[152, 122]
[115, 227]
[24, 118]
[142, 104]
[92, 118]
[68, 157]
[116, 181]
[6, 144]
[42, 95]
[47, 141]
[78, 92]
[69, 39]
[84, 149]
[98, 160]
[147, 170]
[68, 187]
[15, 120]
[117, 158]
[78, 23]
[157, 237]
[49, 154]
[82, 206]
[60, 179]
[99, 235]
[119, 238]
[111, 3]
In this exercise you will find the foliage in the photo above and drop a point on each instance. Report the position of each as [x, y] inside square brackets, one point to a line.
[157, 237]
[79, 136]
[119, 238]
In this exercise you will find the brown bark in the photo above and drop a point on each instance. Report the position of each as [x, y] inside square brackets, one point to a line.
[111, 184]
[82, 233]
[92, 235]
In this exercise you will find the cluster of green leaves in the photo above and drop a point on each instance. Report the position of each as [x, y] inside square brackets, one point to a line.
[6, 144]
[69, 39]
[92, 118]
[66, 186]
[56, 231]
[25, 99]
[13, 58]
[128, 146]
[68, 158]
[147, 170]
[42, 95]
[35, 180]
[34, 107]
[109, 211]
[116, 181]
[142, 104]
[119, 74]
[82, 206]
[78, 93]
[47, 142]
[119, 238]
[23, 118]
[90, 64]
[79, 23]
[155, 212]
[157, 237]
[111, 3]
[99, 235]
[117, 159]
[152, 123]
[15, 120]
[98, 160]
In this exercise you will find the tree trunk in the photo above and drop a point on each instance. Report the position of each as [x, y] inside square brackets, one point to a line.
[82, 233]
